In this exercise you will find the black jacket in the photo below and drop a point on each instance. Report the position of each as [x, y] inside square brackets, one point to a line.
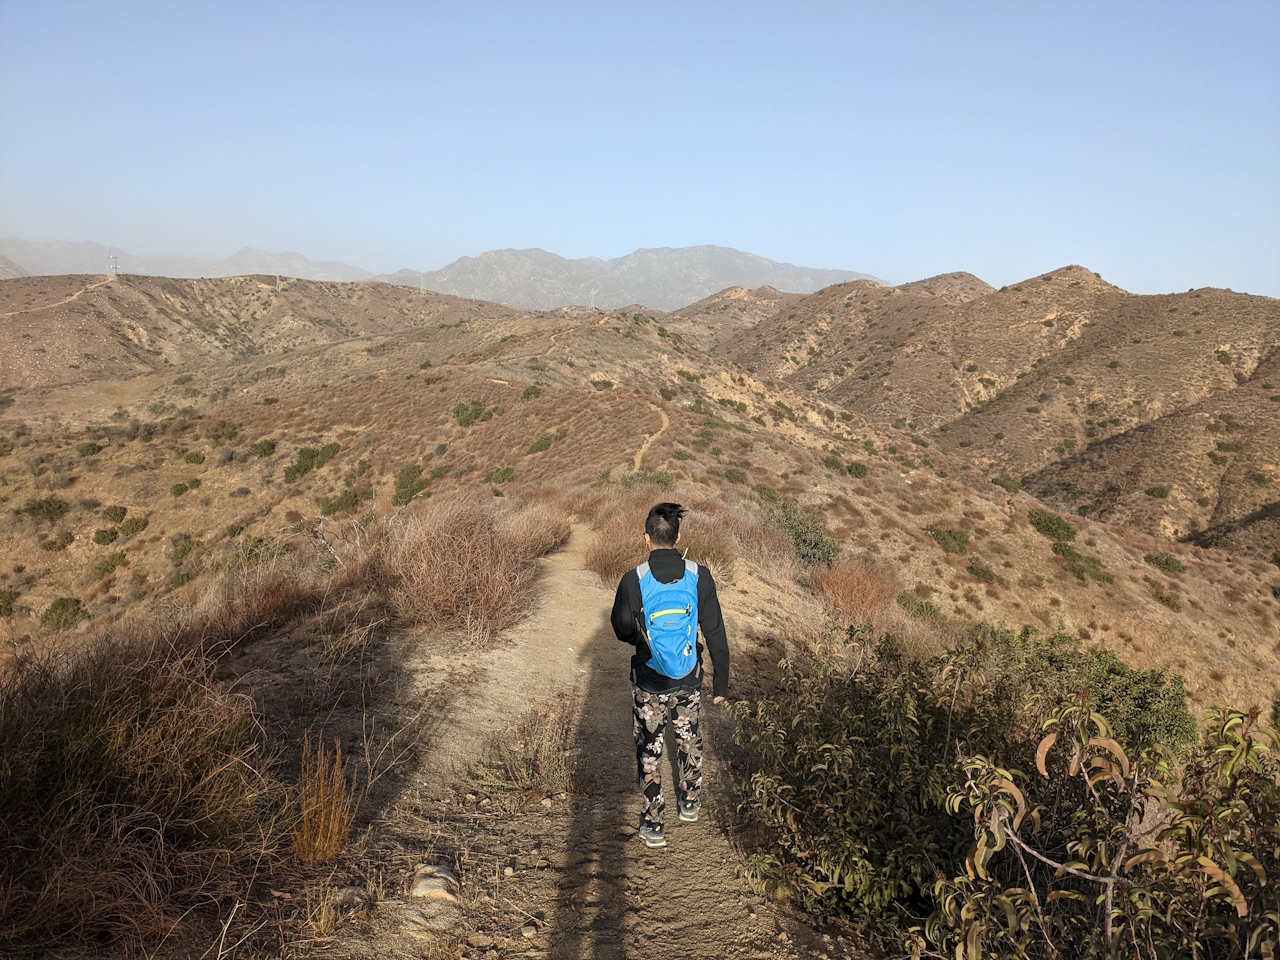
[668, 567]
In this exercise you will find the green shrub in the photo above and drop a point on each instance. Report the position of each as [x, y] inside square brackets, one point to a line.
[919, 608]
[1165, 561]
[439, 470]
[1081, 566]
[254, 549]
[63, 614]
[1113, 365]
[471, 413]
[856, 469]
[88, 449]
[133, 526]
[232, 530]
[1007, 482]
[268, 401]
[666, 393]
[1166, 599]
[194, 456]
[345, 502]
[105, 536]
[1051, 525]
[1258, 477]
[983, 572]
[114, 514]
[63, 540]
[542, 443]
[878, 849]
[832, 462]
[1159, 492]
[531, 392]
[1228, 446]
[767, 493]
[178, 489]
[813, 545]
[310, 459]
[425, 365]
[264, 448]
[182, 549]
[647, 478]
[499, 475]
[46, 510]
[1033, 409]
[734, 475]
[409, 483]
[222, 430]
[1223, 357]
[181, 578]
[107, 565]
[951, 541]
[682, 454]
[8, 599]
[602, 384]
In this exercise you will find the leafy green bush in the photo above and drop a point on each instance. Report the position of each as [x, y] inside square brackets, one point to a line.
[682, 454]
[1258, 477]
[499, 475]
[409, 483]
[88, 449]
[878, 849]
[133, 526]
[114, 514]
[8, 599]
[194, 456]
[983, 572]
[310, 459]
[63, 540]
[734, 475]
[1167, 599]
[542, 443]
[814, 546]
[471, 413]
[1051, 525]
[222, 430]
[951, 541]
[602, 384]
[182, 549]
[345, 502]
[268, 401]
[856, 469]
[1165, 561]
[178, 489]
[767, 493]
[531, 392]
[1080, 565]
[1223, 357]
[46, 510]
[439, 470]
[647, 478]
[232, 530]
[107, 565]
[666, 393]
[832, 462]
[1158, 492]
[63, 614]
[264, 448]
[105, 536]
[919, 608]
[1008, 483]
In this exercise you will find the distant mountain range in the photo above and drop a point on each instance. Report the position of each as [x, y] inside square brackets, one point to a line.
[663, 278]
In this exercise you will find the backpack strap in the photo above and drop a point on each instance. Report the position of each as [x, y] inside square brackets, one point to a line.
[642, 569]
[691, 567]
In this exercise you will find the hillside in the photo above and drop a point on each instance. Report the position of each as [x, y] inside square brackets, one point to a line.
[663, 278]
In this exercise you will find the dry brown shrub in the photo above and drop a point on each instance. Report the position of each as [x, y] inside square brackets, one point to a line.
[857, 590]
[324, 804]
[458, 563]
[535, 530]
[616, 549]
[532, 759]
[241, 603]
[135, 789]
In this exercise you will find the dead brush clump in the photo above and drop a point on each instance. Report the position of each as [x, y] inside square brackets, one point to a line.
[530, 760]
[460, 563]
[856, 590]
[324, 804]
[134, 790]
[241, 603]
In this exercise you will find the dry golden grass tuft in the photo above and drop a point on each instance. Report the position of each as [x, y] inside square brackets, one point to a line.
[532, 759]
[243, 602]
[324, 804]
[467, 563]
[856, 590]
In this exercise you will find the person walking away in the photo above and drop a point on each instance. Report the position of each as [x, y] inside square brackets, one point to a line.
[660, 607]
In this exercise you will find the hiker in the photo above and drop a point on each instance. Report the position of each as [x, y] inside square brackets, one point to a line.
[659, 608]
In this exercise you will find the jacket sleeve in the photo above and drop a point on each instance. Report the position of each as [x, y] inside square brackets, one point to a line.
[626, 609]
[711, 623]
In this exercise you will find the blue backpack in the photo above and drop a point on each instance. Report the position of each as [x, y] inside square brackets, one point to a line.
[672, 626]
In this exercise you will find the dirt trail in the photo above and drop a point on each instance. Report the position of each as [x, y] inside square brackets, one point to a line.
[599, 891]
[60, 303]
[648, 441]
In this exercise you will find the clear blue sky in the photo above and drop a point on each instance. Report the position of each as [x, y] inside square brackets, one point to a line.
[900, 139]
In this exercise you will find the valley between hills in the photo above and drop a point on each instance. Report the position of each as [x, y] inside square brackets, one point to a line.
[157, 434]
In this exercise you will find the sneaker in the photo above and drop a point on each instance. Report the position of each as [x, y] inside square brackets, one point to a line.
[689, 810]
[651, 834]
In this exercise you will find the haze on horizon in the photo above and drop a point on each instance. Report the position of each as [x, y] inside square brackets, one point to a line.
[1141, 140]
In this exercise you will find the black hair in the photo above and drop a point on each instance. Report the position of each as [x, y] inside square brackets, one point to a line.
[663, 523]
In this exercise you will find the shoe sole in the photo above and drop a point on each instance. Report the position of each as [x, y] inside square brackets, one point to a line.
[689, 817]
[654, 844]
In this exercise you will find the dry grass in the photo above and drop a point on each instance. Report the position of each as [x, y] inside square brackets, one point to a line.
[856, 590]
[134, 789]
[466, 563]
[617, 549]
[241, 603]
[531, 760]
[324, 804]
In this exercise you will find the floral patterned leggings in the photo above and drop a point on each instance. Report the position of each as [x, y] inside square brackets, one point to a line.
[649, 720]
